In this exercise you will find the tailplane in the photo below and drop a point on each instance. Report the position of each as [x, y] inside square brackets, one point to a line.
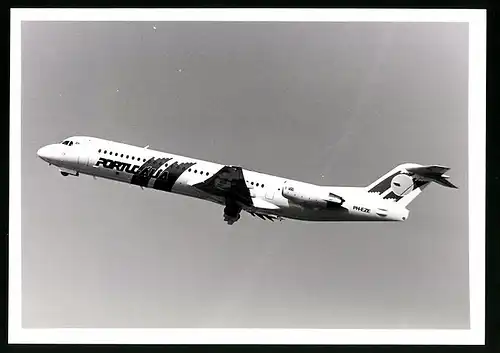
[407, 181]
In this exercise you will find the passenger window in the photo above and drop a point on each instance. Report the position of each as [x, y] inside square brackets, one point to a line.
[99, 150]
[262, 186]
[121, 155]
[116, 154]
[127, 156]
[105, 151]
[257, 184]
[133, 158]
[207, 173]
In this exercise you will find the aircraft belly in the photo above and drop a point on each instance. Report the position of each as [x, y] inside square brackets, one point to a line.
[335, 215]
[107, 174]
[187, 190]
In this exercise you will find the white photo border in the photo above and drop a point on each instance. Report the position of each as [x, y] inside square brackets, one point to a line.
[477, 166]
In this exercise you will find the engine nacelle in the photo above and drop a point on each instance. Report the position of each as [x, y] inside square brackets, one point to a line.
[311, 197]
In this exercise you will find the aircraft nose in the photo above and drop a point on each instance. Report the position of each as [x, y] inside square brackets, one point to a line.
[47, 153]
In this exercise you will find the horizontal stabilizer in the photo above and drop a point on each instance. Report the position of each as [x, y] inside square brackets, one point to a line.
[433, 173]
[444, 182]
[429, 169]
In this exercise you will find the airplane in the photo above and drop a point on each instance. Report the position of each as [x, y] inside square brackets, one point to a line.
[265, 196]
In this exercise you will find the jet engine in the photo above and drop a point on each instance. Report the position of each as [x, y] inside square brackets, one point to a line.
[312, 197]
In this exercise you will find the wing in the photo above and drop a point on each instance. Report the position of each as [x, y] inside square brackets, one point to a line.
[228, 182]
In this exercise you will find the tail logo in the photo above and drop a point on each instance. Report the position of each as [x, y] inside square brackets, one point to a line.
[402, 184]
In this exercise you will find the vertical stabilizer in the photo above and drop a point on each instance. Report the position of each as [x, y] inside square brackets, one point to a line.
[405, 182]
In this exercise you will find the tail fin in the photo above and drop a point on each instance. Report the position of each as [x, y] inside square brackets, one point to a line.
[407, 181]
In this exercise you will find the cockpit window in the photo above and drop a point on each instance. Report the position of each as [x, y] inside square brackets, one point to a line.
[68, 143]
[65, 142]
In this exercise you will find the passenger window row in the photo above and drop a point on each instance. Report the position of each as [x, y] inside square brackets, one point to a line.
[121, 155]
[189, 170]
[196, 171]
[144, 160]
[257, 184]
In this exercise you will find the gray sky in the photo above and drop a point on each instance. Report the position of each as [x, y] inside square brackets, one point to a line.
[345, 100]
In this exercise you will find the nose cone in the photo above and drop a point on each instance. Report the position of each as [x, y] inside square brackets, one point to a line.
[48, 153]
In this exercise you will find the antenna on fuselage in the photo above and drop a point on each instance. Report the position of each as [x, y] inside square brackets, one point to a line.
[146, 147]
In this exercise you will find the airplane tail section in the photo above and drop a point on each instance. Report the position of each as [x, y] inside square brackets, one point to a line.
[405, 182]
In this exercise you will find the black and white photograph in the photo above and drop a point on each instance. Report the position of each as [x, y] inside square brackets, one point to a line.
[237, 174]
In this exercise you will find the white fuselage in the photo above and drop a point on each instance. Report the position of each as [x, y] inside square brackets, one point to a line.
[271, 195]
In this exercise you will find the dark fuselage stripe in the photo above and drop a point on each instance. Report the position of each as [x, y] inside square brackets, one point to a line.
[151, 169]
[169, 176]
